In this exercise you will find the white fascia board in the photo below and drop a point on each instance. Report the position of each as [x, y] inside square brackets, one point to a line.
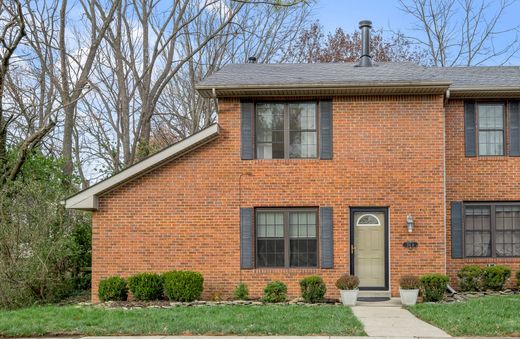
[88, 199]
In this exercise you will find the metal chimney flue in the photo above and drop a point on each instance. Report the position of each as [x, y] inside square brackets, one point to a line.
[366, 59]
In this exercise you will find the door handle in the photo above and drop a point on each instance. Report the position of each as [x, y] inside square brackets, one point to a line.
[352, 249]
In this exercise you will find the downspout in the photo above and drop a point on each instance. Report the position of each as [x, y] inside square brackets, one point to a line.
[214, 97]
[446, 98]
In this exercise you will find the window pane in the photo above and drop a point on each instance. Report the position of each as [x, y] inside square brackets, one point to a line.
[491, 129]
[302, 224]
[303, 145]
[302, 116]
[269, 131]
[303, 136]
[269, 225]
[491, 142]
[303, 243]
[477, 235]
[270, 239]
[490, 117]
[303, 253]
[270, 253]
[507, 231]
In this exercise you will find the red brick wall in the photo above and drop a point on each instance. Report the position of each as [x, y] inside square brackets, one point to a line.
[476, 179]
[388, 151]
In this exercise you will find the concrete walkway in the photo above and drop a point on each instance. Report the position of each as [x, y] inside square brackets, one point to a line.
[395, 322]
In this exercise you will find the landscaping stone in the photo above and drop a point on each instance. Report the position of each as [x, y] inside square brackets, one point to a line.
[201, 303]
[462, 296]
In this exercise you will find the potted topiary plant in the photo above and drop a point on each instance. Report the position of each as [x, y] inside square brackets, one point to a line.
[348, 289]
[409, 289]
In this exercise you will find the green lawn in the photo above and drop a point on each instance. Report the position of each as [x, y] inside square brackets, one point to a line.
[216, 320]
[488, 316]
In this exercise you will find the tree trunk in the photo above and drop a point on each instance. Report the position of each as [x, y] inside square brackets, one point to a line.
[68, 127]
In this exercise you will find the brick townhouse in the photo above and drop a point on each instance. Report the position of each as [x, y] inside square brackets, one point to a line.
[376, 169]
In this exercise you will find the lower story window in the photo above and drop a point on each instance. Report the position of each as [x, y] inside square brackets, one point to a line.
[286, 238]
[492, 230]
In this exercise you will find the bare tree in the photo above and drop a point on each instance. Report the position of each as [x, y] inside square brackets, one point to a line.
[314, 46]
[142, 88]
[263, 31]
[71, 92]
[20, 112]
[463, 32]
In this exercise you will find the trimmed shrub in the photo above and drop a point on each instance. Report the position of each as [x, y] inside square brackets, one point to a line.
[241, 292]
[518, 280]
[275, 292]
[495, 277]
[470, 278]
[183, 285]
[409, 282]
[434, 285]
[146, 286]
[347, 282]
[113, 288]
[313, 289]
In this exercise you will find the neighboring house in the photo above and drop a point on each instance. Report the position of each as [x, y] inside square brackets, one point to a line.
[378, 170]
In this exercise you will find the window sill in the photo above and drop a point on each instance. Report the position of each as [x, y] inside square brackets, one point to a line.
[293, 270]
[493, 158]
[489, 259]
[286, 160]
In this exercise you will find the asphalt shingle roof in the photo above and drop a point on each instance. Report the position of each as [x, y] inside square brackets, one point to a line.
[480, 77]
[348, 74]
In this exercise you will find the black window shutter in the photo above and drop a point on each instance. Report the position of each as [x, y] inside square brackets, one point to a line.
[246, 126]
[326, 129]
[326, 237]
[456, 230]
[514, 128]
[470, 124]
[246, 238]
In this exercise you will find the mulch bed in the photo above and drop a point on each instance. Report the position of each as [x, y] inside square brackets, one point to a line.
[171, 304]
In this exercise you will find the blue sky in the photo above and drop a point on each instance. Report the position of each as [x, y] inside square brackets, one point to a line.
[347, 13]
[386, 14]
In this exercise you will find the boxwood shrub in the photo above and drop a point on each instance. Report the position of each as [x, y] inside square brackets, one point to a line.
[470, 278]
[434, 285]
[275, 292]
[518, 280]
[113, 289]
[146, 286]
[313, 289]
[241, 292]
[495, 277]
[183, 285]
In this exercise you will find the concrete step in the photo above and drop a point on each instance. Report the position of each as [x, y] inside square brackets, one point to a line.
[393, 302]
[373, 294]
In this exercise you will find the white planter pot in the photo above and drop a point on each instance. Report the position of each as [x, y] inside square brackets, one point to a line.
[349, 297]
[408, 297]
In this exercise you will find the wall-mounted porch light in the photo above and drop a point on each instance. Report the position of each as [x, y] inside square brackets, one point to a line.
[409, 223]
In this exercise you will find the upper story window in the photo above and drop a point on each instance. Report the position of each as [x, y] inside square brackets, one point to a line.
[492, 230]
[492, 128]
[286, 130]
[490, 122]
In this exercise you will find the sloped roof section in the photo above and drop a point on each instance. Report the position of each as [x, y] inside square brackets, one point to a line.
[347, 78]
[482, 81]
[87, 199]
[320, 78]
